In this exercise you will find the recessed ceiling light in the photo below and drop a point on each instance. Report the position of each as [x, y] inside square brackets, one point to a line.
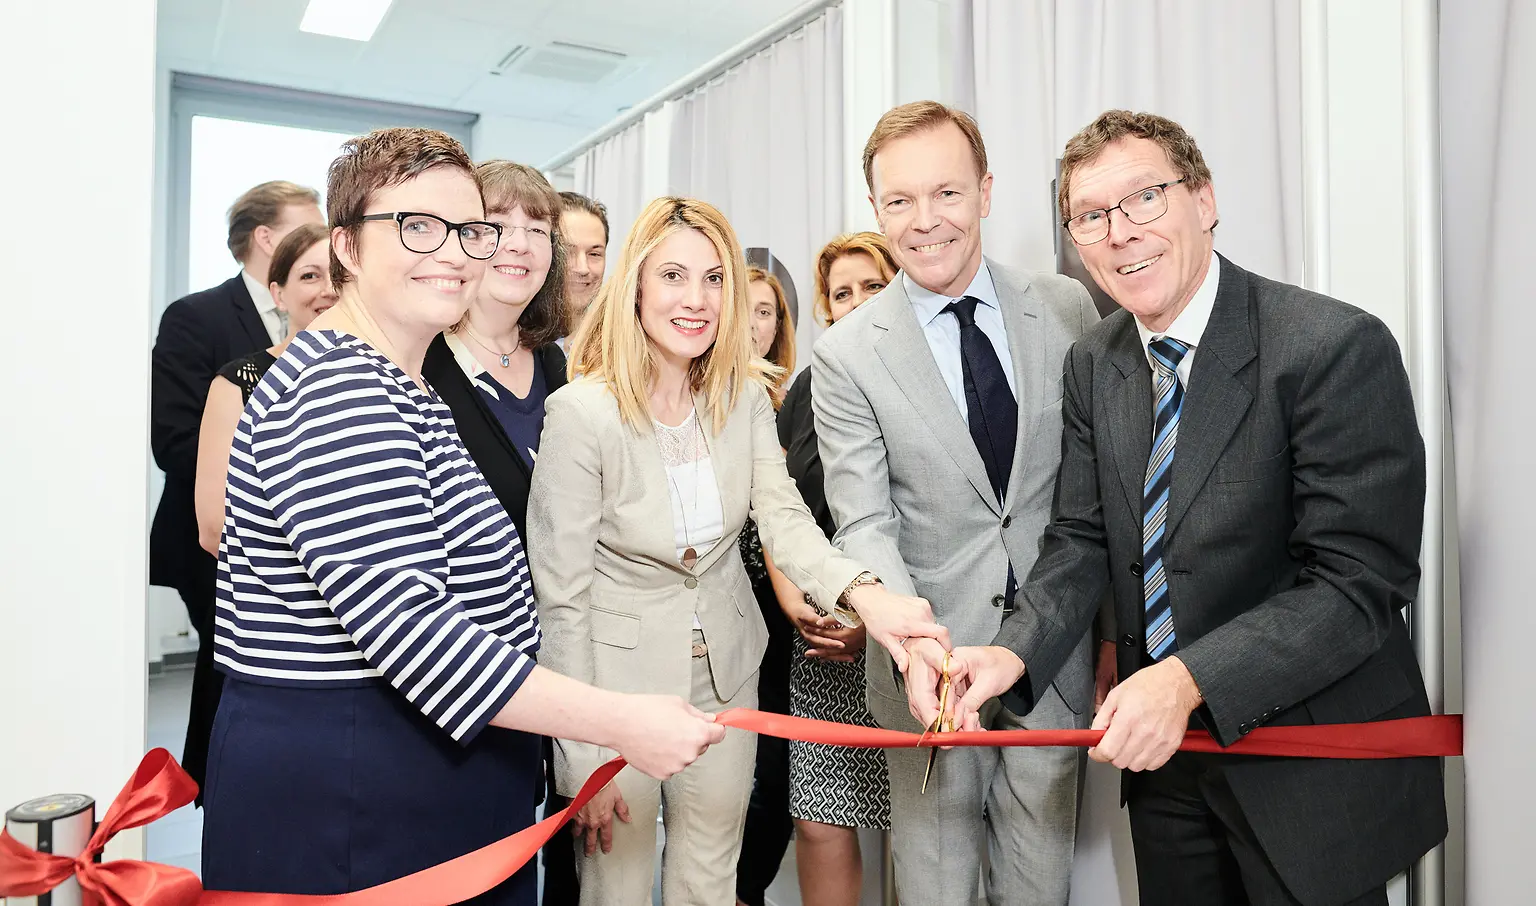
[353, 19]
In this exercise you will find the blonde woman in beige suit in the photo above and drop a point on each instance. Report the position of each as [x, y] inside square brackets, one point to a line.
[648, 466]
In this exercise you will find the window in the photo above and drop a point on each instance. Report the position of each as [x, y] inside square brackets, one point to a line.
[229, 156]
[228, 136]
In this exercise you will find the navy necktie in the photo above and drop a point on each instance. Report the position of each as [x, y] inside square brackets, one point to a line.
[989, 404]
[1166, 354]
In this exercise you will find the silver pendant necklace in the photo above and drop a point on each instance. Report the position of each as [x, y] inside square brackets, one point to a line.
[506, 357]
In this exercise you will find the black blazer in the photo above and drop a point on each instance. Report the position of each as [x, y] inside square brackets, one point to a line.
[505, 471]
[1291, 547]
[198, 335]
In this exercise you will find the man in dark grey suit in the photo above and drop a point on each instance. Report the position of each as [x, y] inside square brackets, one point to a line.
[938, 415]
[1242, 467]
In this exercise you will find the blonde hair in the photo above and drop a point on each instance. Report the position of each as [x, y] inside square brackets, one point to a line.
[612, 347]
[782, 352]
[921, 116]
[874, 245]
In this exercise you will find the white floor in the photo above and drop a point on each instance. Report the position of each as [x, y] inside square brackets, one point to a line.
[177, 838]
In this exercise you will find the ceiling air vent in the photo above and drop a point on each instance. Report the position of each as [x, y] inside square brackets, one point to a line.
[513, 55]
[570, 62]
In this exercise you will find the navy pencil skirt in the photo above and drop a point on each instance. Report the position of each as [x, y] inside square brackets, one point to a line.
[323, 791]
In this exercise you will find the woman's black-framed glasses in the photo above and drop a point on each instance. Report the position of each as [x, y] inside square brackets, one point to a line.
[426, 233]
[1142, 206]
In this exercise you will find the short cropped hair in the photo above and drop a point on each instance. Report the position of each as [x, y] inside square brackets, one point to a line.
[1113, 125]
[380, 160]
[920, 116]
[263, 206]
[575, 201]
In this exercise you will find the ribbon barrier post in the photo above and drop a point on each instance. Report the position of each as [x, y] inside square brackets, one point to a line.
[160, 786]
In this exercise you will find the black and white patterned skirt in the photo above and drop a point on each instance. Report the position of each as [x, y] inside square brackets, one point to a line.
[832, 784]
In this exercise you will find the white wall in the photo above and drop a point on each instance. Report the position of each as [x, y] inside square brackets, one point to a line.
[75, 359]
[526, 141]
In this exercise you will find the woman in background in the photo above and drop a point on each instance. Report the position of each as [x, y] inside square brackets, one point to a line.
[652, 459]
[495, 368]
[833, 791]
[768, 827]
[300, 275]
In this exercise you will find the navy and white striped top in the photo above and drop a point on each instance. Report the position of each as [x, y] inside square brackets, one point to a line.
[360, 542]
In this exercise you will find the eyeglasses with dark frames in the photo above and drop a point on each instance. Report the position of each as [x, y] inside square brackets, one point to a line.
[426, 233]
[1139, 207]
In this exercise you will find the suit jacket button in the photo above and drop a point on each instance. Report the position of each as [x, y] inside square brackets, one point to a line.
[690, 582]
[998, 600]
[1128, 640]
[1007, 521]
[1136, 569]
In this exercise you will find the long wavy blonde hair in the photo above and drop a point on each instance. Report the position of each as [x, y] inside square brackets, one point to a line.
[611, 346]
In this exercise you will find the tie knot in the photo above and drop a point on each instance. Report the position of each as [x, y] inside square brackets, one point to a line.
[964, 310]
[1168, 352]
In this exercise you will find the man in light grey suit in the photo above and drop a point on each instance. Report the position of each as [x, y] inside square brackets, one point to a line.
[938, 409]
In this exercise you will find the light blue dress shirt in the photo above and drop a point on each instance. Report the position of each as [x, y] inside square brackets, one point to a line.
[943, 331]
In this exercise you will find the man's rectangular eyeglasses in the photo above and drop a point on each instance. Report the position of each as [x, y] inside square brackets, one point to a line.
[1142, 206]
[426, 233]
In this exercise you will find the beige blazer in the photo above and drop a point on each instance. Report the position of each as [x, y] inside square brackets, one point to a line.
[615, 604]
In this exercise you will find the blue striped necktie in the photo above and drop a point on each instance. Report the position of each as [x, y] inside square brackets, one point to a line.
[1166, 354]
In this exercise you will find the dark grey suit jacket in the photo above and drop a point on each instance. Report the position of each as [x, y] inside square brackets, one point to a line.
[1292, 545]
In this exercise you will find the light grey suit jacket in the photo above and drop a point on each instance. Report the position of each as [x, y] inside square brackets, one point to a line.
[905, 482]
[615, 604]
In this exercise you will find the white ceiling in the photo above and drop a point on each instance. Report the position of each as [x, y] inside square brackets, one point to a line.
[441, 53]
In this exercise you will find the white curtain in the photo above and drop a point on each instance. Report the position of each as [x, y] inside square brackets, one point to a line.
[1488, 130]
[764, 144]
[1228, 72]
[1034, 72]
[612, 172]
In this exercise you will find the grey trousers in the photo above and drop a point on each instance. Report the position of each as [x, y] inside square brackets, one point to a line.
[1019, 805]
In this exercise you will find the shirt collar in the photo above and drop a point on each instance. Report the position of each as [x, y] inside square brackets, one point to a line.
[259, 294]
[1189, 326]
[928, 305]
[463, 356]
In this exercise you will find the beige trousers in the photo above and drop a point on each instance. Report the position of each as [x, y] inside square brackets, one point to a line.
[703, 809]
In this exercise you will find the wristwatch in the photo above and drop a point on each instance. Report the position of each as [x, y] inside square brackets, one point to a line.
[843, 609]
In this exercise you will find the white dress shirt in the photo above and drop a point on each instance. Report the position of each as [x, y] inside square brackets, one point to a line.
[943, 330]
[1187, 328]
[277, 327]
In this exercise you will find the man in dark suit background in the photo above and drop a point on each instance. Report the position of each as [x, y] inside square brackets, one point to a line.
[199, 334]
[1242, 468]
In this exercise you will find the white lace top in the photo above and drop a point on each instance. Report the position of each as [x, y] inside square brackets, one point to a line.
[698, 519]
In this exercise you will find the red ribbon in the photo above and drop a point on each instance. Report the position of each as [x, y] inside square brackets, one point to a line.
[160, 786]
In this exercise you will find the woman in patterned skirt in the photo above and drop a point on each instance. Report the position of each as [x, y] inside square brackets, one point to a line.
[833, 790]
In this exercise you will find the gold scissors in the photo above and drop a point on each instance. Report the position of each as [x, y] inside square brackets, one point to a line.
[942, 723]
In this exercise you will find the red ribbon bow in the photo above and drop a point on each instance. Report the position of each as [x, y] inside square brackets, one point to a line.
[160, 786]
[157, 788]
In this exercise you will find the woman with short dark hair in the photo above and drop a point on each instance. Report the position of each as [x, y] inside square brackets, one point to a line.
[377, 627]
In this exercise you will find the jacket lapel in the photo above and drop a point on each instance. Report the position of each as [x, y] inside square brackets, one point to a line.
[1026, 347]
[905, 352]
[1217, 397]
[246, 313]
[1129, 430]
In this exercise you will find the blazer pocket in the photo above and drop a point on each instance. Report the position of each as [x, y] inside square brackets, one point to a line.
[610, 627]
[1237, 472]
[1374, 689]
